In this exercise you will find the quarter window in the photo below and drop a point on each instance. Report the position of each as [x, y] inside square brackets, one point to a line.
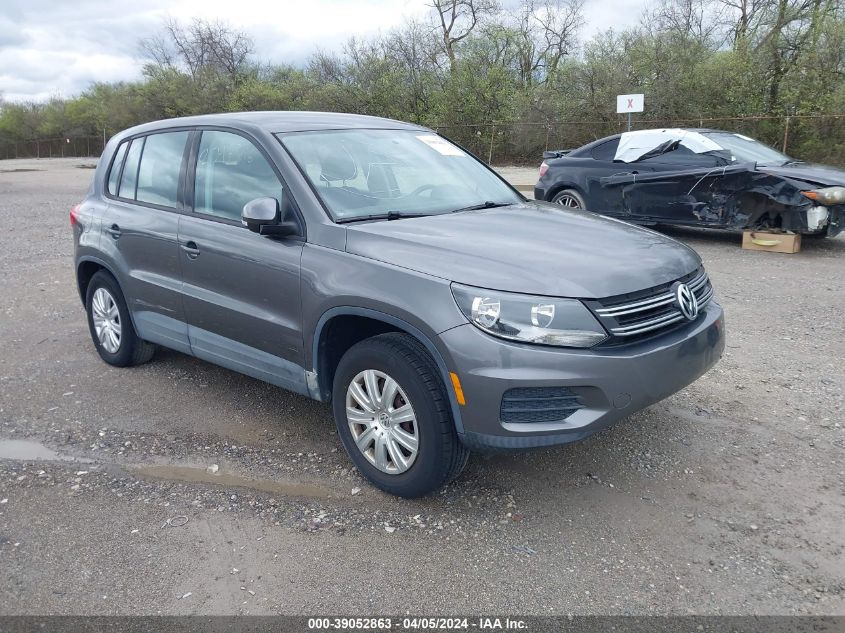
[130, 170]
[231, 172]
[161, 161]
[116, 165]
[606, 151]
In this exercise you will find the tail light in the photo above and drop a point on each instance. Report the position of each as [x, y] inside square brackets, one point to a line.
[74, 215]
[543, 169]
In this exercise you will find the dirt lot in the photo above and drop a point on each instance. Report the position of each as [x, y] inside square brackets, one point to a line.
[728, 497]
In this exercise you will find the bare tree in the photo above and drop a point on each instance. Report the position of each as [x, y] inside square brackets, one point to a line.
[698, 20]
[791, 28]
[201, 45]
[559, 22]
[457, 19]
[543, 32]
[778, 34]
[746, 15]
[413, 48]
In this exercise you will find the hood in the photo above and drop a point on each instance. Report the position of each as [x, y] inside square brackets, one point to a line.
[808, 172]
[534, 248]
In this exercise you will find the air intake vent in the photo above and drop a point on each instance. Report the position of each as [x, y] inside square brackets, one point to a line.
[539, 404]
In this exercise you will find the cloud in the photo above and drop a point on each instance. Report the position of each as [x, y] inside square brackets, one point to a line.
[615, 14]
[59, 47]
[10, 34]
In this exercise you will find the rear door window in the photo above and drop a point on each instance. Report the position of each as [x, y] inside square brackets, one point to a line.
[161, 162]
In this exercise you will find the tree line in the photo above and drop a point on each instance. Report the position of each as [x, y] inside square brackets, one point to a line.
[516, 78]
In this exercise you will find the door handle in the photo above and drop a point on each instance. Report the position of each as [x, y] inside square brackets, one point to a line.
[114, 231]
[191, 249]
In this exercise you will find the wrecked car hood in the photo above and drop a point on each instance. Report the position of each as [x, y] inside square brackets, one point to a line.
[822, 175]
[533, 248]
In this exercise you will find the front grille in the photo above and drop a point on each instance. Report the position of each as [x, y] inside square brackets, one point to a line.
[650, 312]
[539, 404]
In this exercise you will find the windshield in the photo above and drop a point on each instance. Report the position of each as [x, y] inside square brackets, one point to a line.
[746, 150]
[379, 173]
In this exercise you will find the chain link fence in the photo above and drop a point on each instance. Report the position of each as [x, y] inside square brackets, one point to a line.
[807, 137]
[815, 138]
[80, 146]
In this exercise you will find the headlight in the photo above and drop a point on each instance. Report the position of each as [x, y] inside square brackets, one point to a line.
[828, 195]
[540, 320]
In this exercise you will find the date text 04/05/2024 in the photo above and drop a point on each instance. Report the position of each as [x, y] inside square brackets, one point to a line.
[423, 623]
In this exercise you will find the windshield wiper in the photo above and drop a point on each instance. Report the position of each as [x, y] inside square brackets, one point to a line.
[390, 215]
[488, 204]
[792, 162]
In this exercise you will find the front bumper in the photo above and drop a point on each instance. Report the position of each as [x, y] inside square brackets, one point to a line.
[611, 383]
[836, 220]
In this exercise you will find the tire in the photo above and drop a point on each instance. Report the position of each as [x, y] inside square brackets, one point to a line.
[570, 199]
[440, 457]
[104, 295]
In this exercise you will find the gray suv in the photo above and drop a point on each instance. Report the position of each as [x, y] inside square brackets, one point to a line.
[375, 265]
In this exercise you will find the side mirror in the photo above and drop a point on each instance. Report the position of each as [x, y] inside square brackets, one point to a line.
[262, 216]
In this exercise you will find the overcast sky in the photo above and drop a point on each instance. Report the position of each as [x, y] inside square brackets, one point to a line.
[58, 47]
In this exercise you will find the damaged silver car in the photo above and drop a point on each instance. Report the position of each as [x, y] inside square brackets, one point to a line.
[696, 177]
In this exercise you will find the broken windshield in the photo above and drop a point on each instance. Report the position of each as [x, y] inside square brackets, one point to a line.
[642, 144]
[663, 148]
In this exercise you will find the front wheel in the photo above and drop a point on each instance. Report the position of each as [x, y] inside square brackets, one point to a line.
[393, 417]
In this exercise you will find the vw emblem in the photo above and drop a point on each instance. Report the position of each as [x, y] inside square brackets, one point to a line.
[686, 301]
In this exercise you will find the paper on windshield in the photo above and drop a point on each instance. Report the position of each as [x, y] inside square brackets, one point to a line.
[440, 145]
[633, 145]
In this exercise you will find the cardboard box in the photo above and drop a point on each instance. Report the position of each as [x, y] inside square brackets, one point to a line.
[772, 242]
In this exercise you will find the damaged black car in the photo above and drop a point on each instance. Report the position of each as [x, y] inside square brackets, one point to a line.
[697, 177]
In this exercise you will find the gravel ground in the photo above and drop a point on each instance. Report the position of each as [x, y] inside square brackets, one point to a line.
[727, 498]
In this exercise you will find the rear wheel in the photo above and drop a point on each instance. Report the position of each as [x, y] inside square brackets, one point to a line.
[110, 326]
[393, 417]
[570, 199]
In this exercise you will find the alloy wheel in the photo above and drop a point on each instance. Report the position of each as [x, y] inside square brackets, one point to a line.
[106, 318]
[569, 201]
[382, 421]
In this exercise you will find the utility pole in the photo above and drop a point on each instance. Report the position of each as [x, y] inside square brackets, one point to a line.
[785, 134]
